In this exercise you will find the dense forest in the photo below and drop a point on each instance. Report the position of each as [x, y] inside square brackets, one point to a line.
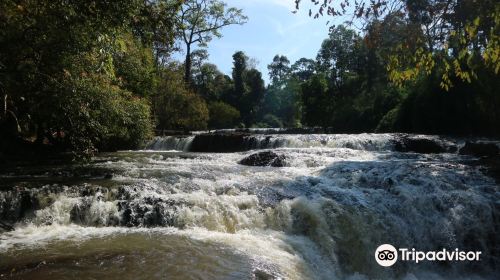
[88, 76]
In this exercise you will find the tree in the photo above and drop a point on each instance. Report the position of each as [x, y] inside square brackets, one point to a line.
[253, 97]
[209, 82]
[282, 97]
[178, 107]
[279, 69]
[153, 24]
[74, 68]
[303, 69]
[198, 58]
[200, 20]
[240, 63]
[338, 54]
[316, 101]
[461, 35]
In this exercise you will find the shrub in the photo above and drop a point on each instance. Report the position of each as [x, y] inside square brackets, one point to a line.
[222, 115]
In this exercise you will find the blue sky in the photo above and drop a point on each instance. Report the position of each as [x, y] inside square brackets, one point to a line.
[272, 29]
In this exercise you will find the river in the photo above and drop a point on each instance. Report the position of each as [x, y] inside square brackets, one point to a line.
[167, 212]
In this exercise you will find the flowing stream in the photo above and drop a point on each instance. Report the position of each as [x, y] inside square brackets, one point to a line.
[168, 213]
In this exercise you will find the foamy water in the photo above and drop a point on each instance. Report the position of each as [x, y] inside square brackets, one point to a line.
[181, 215]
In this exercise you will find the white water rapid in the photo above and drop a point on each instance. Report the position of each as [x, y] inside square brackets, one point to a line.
[166, 212]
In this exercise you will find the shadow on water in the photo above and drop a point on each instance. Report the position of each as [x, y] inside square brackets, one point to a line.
[131, 256]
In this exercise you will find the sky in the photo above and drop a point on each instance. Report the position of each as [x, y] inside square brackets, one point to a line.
[272, 29]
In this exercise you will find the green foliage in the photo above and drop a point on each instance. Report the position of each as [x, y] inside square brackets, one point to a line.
[316, 101]
[198, 21]
[134, 66]
[100, 116]
[270, 121]
[240, 63]
[222, 115]
[176, 106]
[462, 35]
[81, 69]
[464, 109]
[303, 69]
[244, 92]
[279, 69]
[338, 54]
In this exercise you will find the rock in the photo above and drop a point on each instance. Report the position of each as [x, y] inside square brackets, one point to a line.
[267, 158]
[492, 165]
[480, 149]
[421, 146]
[6, 226]
[221, 142]
[108, 176]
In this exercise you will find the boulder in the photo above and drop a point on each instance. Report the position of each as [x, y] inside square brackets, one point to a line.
[480, 149]
[266, 158]
[421, 146]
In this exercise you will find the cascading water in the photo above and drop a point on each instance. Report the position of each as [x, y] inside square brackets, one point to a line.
[270, 141]
[170, 143]
[193, 215]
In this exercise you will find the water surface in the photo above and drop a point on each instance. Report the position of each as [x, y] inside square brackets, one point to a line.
[169, 213]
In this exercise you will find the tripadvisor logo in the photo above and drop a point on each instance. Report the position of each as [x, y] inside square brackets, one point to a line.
[387, 255]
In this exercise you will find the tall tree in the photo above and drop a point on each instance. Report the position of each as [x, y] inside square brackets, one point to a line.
[337, 55]
[200, 20]
[240, 65]
[462, 35]
[303, 69]
[252, 99]
[198, 58]
[316, 101]
[154, 24]
[279, 69]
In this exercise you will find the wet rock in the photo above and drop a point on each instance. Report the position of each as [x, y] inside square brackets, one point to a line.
[5, 226]
[221, 142]
[263, 275]
[17, 204]
[267, 158]
[492, 165]
[421, 146]
[480, 149]
[151, 212]
[108, 176]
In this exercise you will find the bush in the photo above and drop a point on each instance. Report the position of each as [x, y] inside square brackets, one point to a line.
[388, 122]
[222, 115]
[177, 107]
[99, 116]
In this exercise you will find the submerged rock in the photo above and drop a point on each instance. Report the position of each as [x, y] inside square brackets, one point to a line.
[267, 158]
[480, 149]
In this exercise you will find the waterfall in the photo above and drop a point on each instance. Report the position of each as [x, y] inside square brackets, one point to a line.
[320, 217]
[170, 143]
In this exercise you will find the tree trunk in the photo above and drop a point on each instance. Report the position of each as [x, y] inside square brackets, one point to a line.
[187, 65]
